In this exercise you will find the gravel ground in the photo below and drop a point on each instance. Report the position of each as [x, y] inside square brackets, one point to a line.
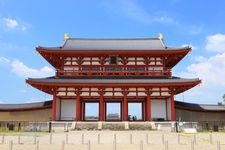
[102, 140]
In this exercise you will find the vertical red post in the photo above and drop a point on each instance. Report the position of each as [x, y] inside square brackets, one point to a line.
[125, 108]
[166, 109]
[78, 108]
[54, 106]
[101, 108]
[148, 108]
[172, 107]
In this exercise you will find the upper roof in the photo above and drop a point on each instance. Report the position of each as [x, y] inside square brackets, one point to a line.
[97, 47]
[113, 44]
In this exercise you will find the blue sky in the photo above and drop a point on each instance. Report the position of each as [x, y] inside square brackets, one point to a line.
[26, 24]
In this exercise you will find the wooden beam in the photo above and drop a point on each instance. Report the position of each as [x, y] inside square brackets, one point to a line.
[54, 106]
[78, 107]
[148, 108]
[125, 107]
[172, 107]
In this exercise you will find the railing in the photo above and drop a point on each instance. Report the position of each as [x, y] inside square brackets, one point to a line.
[101, 70]
[113, 72]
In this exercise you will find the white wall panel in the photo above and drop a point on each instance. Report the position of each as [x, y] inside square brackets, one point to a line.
[118, 94]
[158, 109]
[94, 94]
[61, 94]
[155, 94]
[68, 109]
[141, 94]
[85, 94]
[131, 94]
[71, 94]
[108, 94]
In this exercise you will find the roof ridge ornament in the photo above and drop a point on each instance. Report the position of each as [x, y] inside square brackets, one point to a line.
[160, 37]
[66, 36]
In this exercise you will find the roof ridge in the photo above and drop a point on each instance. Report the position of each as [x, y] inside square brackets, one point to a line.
[113, 38]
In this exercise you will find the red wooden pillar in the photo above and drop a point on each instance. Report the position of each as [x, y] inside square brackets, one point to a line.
[148, 108]
[54, 106]
[172, 107]
[125, 108]
[78, 108]
[101, 108]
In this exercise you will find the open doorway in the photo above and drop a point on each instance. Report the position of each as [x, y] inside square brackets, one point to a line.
[135, 111]
[91, 111]
[113, 111]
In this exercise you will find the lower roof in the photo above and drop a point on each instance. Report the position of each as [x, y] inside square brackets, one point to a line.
[113, 79]
[179, 84]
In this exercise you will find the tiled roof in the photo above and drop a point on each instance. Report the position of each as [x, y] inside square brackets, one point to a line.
[199, 107]
[113, 44]
[35, 105]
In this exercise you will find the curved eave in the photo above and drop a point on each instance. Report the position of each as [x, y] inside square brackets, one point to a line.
[48, 86]
[55, 55]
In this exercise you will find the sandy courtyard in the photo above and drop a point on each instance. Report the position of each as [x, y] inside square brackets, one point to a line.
[111, 140]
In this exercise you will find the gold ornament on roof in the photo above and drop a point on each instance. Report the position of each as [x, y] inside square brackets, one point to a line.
[66, 36]
[160, 36]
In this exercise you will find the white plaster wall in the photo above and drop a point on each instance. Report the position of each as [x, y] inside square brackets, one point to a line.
[118, 94]
[68, 108]
[131, 94]
[158, 109]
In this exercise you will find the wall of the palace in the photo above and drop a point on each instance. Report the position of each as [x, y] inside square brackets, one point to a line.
[157, 111]
[195, 116]
[31, 115]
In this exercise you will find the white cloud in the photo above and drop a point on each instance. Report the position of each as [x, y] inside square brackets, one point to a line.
[20, 69]
[212, 88]
[10, 24]
[136, 12]
[4, 61]
[215, 43]
[211, 70]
